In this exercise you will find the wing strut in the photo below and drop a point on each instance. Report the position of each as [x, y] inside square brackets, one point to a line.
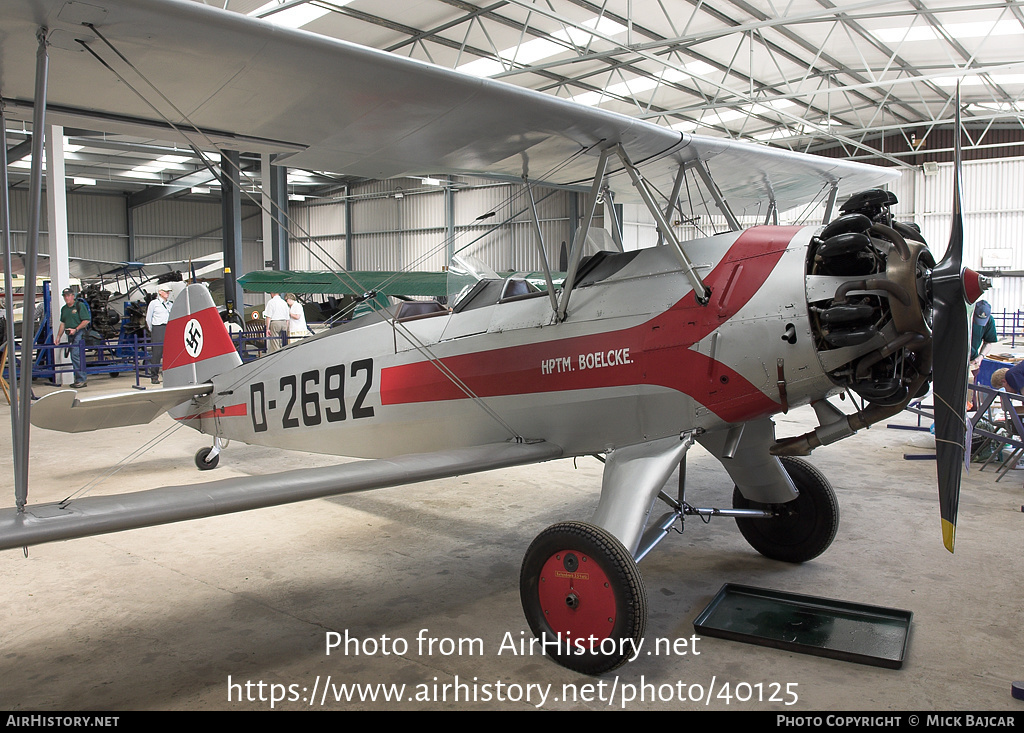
[608, 196]
[540, 246]
[581, 237]
[673, 198]
[700, 290]
[734, 223]
[830, 203]
[21, 428]
[9, 335]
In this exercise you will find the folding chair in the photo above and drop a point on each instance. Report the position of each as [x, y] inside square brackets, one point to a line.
[1016, 428]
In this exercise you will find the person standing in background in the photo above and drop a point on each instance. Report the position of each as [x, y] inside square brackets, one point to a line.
[983, 335]
[297, 328]
[157, 316]
[277, 318]
[74, 318]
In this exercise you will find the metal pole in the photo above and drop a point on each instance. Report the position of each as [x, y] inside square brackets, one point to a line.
[231, 215]
[449, 219]
[5, 220]
[31, 255]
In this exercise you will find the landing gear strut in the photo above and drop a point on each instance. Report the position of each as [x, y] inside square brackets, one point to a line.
[581, 590]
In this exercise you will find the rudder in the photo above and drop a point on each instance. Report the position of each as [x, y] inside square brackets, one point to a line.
[197, 346]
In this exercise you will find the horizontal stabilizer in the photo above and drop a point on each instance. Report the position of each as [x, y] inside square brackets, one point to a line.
[62, 410]
[102, 514]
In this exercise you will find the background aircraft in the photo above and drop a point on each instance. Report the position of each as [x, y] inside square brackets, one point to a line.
[638, 356]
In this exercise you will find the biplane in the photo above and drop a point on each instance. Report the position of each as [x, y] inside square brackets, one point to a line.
[636, 357]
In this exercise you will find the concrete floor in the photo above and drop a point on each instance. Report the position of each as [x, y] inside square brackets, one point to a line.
[164, 618]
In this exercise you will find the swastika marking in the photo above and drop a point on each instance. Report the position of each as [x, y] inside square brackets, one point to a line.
[193, 338]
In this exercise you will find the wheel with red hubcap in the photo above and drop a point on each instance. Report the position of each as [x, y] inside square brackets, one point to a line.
[583, 597]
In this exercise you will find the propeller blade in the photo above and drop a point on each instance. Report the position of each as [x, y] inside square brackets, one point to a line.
[949, 387]
[952, 333]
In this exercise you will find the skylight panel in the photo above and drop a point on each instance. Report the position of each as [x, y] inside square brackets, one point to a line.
[720, 118]
[542, 48]
[143, 172]
[920, 32]
[153, 168]
[295, 16]
[640, 84]
[975, 80]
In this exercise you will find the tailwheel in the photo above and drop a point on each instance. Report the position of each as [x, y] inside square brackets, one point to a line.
[583, 595]
[804, 527]
[204, 462]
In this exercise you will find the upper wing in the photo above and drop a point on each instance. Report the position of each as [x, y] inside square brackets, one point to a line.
[248, 85]
[84, 268]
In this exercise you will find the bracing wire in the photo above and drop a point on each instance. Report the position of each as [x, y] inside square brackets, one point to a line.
[151, 443]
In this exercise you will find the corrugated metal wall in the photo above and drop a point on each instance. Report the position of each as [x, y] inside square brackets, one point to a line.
[176, 229]
[993, 213]
[97, 227]
[164, 230]
[316, 237]
[404, 224]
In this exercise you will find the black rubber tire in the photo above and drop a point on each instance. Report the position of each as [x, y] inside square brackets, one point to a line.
[201, 462]
[624, 588]
[807, 525]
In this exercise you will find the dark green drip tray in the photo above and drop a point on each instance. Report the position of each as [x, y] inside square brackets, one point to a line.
[852, 632]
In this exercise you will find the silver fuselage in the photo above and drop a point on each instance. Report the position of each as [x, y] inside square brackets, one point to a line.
[636, 359]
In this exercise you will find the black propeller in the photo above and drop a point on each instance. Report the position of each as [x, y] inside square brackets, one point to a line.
[954, 288]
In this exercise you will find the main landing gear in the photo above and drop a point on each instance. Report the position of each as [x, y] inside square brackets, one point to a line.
[581, 589]
[801, 529]
[584, 597]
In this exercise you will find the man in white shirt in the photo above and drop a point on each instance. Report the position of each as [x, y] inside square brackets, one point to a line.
[157, 316]
[276, 313]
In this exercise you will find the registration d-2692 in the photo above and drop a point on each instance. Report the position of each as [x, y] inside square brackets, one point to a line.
[312, 397]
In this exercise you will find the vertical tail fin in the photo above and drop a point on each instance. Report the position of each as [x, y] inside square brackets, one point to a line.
[197, 346]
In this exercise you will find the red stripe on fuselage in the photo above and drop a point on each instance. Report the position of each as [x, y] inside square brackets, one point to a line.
[227, 411]
[654, 353]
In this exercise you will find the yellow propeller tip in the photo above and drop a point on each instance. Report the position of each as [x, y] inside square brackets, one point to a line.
[948, 534]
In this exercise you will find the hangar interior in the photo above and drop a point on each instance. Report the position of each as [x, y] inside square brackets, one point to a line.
[163, 618]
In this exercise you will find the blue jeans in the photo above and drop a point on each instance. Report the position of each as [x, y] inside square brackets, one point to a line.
[77, 356]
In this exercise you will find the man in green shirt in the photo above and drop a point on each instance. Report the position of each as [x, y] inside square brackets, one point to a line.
[74, 318]
[983, 334]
